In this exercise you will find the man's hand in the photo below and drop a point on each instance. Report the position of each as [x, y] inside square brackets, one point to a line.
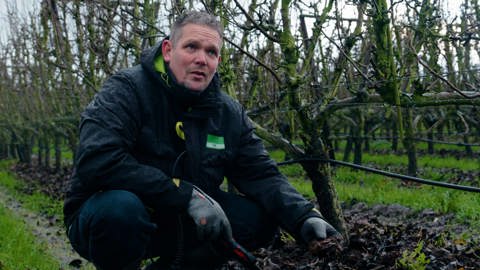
[322, 239]
[211, 221]
[315, 228]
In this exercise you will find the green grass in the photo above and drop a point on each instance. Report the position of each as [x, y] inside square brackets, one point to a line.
[19, 249]
[436, 147]
[375, 189]
[387, 145]
[449, 162]
[36, 201]
[384, 160]
[352, 185]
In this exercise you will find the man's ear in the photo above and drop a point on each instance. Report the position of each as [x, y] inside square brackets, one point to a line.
[166, 50]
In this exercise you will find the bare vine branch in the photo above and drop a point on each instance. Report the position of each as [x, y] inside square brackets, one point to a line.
[254, 59]
[450, 84]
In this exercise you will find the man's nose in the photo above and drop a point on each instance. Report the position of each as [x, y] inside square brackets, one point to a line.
[201, 58]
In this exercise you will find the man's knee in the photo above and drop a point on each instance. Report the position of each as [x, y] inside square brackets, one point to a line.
[117, 208]
[112, 229]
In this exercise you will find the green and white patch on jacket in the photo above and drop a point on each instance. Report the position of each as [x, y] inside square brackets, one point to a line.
[215, 142]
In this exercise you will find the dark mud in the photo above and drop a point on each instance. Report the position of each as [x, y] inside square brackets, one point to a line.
[381, 236]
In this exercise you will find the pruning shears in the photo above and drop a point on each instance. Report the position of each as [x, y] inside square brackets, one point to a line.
[246, 258]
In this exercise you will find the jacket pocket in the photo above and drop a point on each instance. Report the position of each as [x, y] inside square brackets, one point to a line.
[213, 165]
[214, 158]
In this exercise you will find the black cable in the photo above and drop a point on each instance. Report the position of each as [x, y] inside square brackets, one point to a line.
[178, 261]
[445, 142]
[389, 174]
[174, 167]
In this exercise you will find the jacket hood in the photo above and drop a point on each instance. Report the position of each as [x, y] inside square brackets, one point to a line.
[152, 61]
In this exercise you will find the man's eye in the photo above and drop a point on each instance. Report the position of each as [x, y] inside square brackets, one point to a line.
[212, 53]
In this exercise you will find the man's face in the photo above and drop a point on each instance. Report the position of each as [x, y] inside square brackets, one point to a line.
[194, 58]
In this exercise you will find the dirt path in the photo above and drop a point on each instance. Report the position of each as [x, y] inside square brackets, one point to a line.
[48, 231]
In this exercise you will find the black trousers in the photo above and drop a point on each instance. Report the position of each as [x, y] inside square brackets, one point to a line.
[114, 230]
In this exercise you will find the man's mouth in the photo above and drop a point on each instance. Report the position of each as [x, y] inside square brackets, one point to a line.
[198, 74]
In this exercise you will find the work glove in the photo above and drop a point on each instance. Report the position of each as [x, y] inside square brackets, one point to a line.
[315, 228]
[212, 223]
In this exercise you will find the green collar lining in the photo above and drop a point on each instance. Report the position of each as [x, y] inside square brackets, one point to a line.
[159, 64]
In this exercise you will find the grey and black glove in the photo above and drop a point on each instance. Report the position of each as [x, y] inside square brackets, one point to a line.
[315, 228]
[212, 223]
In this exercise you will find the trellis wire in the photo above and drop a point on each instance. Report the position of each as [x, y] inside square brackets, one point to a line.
[385, 173]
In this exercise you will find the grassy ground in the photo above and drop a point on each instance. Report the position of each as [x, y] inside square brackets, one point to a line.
[354, 185]
[34, 201]
[19, 248]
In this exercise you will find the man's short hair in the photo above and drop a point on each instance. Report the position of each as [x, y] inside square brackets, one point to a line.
[194, 17]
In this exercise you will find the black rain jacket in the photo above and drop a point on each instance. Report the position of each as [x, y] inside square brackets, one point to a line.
[130, 140]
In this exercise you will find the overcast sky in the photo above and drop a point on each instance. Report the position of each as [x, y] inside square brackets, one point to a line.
[22, 6]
